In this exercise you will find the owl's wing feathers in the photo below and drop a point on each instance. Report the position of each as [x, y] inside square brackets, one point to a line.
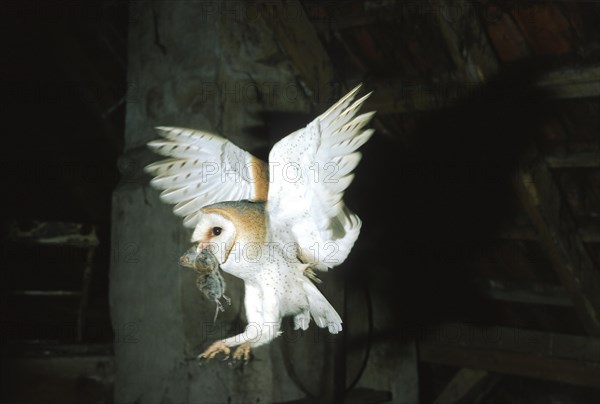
[311, 168]
[202, 169]
[320, 309]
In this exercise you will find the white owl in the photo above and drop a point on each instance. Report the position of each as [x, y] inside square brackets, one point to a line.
[269, 225]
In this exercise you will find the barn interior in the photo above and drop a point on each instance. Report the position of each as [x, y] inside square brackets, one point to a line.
[476, 275]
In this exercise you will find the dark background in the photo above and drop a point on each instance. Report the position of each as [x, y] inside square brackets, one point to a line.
[434, 189]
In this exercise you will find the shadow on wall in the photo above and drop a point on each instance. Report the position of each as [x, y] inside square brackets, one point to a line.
[430, 208]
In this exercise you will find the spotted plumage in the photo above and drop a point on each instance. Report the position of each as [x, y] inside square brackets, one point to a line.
[270, 225]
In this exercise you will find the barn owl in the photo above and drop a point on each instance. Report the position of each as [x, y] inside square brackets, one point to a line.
[272, 225]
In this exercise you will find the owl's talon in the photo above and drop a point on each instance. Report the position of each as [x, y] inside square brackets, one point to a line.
[216, 348]
[242, 352]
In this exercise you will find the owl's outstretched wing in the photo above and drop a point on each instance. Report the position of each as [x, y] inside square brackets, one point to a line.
[310, 170]
[203, 169]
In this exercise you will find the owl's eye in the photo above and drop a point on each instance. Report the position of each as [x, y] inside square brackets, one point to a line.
[216, 231]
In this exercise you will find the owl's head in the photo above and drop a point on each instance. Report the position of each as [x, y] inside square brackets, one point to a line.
[226, 226]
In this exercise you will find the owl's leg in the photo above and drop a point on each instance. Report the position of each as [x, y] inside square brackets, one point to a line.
[252, 337]
[264, 323]
[301, 320]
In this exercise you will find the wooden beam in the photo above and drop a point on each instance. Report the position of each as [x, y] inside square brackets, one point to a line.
[86, 281]
[54, 233]
[575, 160]
[463, 382]
[21, 349]
[547, 356]
[588, 234]
[299, 40]
[515, 340]
[46, 293]
[466, 41]
[559, 370]
[573, 82]
[558, 232]
[534, 293]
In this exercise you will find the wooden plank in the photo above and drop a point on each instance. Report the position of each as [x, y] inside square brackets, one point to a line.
[575, 160]
[22, 349]
[54, 233]
[588, 234]
[466, 41]
[559, 370]
[547, 356]
[47, 293]
[573, 82]
[558, 232]
[514, 340]
[533, 293]
[299, 40]
[461, 384]
[85, 289]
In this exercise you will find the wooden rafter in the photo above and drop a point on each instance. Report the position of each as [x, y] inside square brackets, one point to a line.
[299, 40]
[558, 232]
[466, 41]
[547, 356]
[55, 233]
[573, 82]
[463, 382]
[575, 160]
[588, 234]
[531, 293]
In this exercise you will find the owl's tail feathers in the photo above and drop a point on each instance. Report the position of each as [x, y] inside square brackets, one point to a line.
[322, 312]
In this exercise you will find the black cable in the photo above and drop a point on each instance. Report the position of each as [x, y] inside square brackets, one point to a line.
[289, 366]
[363, 366]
